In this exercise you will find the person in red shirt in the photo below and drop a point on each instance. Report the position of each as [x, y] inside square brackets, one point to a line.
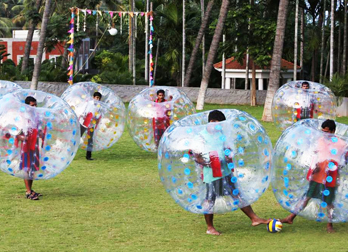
[162, 119]
[323, 177]
[90, 123]
[30, 153]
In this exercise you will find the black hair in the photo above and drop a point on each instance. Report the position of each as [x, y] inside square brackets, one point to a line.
[216, 115]
[305, 83]
[29, 99]
[97, 94]
[330, 124]
[161, 91]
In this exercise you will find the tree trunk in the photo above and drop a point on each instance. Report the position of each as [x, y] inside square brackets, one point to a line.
[29, 39]
[276, 60]
[344, 56]
[198, 42]
[212, 53]
[253, 85]
[322, 43]
[40, 48]
[296, 40]
[332, 34]
[302, 43]
[183, 44]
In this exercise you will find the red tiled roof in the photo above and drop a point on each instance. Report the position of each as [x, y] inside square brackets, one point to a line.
[234, 64]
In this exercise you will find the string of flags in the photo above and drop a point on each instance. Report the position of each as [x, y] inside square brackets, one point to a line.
[114, 15]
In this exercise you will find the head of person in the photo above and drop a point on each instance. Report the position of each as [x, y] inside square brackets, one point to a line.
[216, 116]
[160, 95]
[31, 101]
[97, 96]
[305, 85]
[328, 126]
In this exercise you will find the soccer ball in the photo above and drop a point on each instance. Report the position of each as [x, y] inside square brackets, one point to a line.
[274, 226]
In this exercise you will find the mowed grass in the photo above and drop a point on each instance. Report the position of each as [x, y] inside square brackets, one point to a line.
[117, 203]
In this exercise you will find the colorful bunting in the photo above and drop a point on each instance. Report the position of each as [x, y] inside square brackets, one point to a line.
[98, 13]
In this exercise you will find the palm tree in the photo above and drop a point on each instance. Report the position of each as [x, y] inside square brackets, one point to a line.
[276, 59]
[40, 48]
[30, 34]
[212, 53]
[198, 42]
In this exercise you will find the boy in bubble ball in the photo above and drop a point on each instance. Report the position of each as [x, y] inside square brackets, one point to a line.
[324, 178]
[307, 108]
[162, 120]
[30, 151]
[90, 118]
[217, 175]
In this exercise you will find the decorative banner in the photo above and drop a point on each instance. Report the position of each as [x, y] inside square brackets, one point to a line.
[71, 48]
[98, 13]
[150, 51]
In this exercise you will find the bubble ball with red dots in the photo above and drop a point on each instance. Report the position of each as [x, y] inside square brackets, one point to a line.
[311, 164]
[147, 119]
[292, 103]
[102, 121]
[37, 142]
[215, 167]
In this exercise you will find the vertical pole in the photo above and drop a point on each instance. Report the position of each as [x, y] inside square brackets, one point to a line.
[147, 42]
[223, 86]
[151, 46]
[183, 44]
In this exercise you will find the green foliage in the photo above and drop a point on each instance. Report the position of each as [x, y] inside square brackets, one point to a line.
[338, 85]
[113, 68]
[50, 71]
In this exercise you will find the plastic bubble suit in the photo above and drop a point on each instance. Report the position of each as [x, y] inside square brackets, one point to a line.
[292, 103]
[102, 122]
[216, 167]
[305, 157]
[148, 119]
[36, 142]
[8, 87]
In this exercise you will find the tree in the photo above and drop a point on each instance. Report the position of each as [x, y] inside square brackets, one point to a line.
[198, 42]
[276, 59]
[212, 53]
[35, 18]
[40, 48]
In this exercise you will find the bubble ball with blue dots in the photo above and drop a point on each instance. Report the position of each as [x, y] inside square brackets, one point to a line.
[292, 102]
[8, 87]
[305, 156]
[238, 150]
[143, 113]
[36, 142]
[102, 121]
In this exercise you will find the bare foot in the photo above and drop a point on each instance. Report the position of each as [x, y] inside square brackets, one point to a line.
[287, 220]
[330, 229]
[212, 231]
[258, 221]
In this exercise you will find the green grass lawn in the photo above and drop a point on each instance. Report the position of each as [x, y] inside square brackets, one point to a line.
[117, 203]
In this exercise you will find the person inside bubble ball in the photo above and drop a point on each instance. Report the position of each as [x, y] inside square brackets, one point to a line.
[323, 177]
[162, 120]
[30, 151]
[307, 108]
[90, 123]
[217, 176]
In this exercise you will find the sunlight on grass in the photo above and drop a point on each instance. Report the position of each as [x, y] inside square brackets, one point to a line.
[117, 203]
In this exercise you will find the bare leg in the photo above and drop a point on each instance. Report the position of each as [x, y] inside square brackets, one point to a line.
[210, 226]
[329, 227]
[290, 218]
[255, 220]
[28, 184]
